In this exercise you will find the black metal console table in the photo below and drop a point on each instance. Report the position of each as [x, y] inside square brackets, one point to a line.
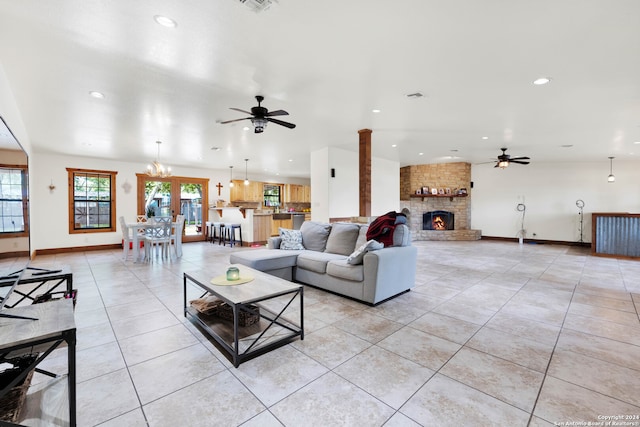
[54, 326]
[44, 281]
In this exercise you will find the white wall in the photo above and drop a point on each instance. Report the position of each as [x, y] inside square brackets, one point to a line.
[385, 186]
[49, 209]
[337, 197]
[320, 176]
[549, 191]
[344, 188]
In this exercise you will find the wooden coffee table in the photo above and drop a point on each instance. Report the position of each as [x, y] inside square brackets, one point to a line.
[276, 300]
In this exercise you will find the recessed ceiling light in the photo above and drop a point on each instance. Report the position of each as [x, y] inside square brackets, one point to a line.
[485, 137]
[394, 145]
[420, 154]
[245, 128]
[375, 111]
[291, 160]
[636, 142]
[542, 81]
[165, 22]
[96, 94]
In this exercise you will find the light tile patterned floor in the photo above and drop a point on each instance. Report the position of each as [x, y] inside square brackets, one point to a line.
[493, 334]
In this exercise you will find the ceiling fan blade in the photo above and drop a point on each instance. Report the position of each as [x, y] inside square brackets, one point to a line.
[242, 111]
[519, 158]
[519, 162]
[276, 113]
[281, 123]
[236, 120]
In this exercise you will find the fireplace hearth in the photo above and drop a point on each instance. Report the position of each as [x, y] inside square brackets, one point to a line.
[438, 220]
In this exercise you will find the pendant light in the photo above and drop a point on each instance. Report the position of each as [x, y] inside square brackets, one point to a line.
[158, 170]
[611, 177]
[246, 180]
[230, 176]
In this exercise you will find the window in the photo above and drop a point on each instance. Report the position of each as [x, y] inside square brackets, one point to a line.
[92, 201]
[13, 201]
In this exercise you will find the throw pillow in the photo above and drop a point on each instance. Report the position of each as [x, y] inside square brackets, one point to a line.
[362, 236]
[358, 255]
[291, 239]
[314, 235]
[342, 239]
[401, 235]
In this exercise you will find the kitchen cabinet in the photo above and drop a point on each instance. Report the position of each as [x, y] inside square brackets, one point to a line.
[261, 228]
[246, 193]
[295, 193]
[237, 191]
[284, 221]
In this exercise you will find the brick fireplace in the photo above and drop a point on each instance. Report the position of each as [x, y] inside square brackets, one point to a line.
[449, 177]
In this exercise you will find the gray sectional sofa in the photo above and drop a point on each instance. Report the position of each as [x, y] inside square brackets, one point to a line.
[326, 256]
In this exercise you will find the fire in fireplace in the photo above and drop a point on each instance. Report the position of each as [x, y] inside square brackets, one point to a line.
[437, 220]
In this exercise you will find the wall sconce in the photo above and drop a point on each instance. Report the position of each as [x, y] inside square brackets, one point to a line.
[611, 177]
[51, 187]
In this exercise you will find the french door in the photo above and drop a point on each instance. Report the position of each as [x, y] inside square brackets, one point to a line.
[173, 196]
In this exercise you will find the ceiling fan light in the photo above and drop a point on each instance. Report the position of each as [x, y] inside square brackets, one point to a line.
[503, 164]
[259, 124]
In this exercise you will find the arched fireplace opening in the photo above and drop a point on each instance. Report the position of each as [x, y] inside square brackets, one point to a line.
[438, 220]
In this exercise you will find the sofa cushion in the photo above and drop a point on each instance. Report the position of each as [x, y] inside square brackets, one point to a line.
[264, 259]
[316, 261]
[358, 255]
[340, 268]
[291, 239]
[314, 235]
[342, 239]
[362, 235]
[401, 235]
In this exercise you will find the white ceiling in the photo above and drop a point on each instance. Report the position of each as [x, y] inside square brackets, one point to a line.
[328, 63]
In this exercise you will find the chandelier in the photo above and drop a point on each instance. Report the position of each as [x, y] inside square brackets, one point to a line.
[155, 169]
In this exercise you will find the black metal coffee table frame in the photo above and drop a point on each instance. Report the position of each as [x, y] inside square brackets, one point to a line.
[229, 334]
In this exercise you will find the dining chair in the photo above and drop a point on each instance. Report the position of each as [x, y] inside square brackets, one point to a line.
[141, 218]
[176, 235]
[127, 238]
[158, 234]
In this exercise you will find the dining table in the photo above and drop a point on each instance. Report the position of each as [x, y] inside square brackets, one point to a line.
[138, 230]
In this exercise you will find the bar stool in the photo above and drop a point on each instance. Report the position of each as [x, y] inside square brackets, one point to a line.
[209, 231]
[230, 234]
[218, 232]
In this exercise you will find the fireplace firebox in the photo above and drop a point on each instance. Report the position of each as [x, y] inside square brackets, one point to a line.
[438, 220]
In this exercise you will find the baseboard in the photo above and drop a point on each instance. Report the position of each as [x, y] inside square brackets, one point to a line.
[17, 254]
[537, 241]
[55, 251]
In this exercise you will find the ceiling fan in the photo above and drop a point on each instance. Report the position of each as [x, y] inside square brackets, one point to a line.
[504, 159]
[260, 116]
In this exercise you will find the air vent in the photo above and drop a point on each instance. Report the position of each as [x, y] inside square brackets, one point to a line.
[415, 95]
[257, 5]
